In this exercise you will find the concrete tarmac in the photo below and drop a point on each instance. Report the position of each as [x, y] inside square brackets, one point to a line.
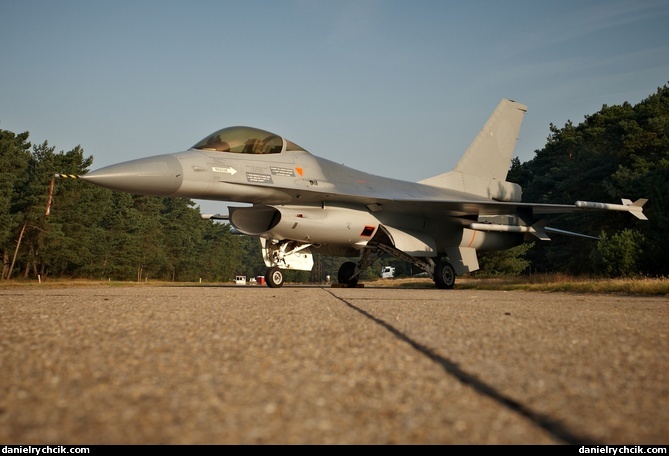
[320, 365]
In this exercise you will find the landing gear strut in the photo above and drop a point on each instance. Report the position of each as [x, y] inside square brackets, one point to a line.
[441, 271]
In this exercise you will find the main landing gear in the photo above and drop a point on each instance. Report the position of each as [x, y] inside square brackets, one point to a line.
[347, 276]
[441, 271]
[444, 275]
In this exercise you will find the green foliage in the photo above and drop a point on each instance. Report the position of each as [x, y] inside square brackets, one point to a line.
[618, 152]
[510, 262]
[14, 157]
[86, 231]
[618, 255]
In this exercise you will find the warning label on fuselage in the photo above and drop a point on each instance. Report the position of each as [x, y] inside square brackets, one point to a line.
[285, 172]
[257, 178]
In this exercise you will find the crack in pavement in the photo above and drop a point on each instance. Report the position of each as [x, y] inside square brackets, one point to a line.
[555, 428]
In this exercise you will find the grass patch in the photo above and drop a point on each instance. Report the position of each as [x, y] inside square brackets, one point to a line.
[544, 282]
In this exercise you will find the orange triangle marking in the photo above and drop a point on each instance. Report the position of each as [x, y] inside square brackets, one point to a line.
[299, 171]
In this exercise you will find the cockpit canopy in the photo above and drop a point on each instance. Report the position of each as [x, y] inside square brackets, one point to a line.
[246, 140]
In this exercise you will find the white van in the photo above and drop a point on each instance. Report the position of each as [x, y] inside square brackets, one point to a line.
[387, 272]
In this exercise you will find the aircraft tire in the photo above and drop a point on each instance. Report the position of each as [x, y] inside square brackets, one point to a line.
[444, 275]
[274, 277]
[346, 270]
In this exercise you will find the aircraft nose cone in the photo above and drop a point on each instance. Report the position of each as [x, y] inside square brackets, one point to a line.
[161, 175]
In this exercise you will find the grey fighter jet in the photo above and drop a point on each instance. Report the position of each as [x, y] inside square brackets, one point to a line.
[301, 204]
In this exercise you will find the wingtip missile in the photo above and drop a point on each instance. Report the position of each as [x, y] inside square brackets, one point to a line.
[635, 208]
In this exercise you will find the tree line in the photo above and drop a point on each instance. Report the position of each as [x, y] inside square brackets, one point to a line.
[66, 228]
[622, 151]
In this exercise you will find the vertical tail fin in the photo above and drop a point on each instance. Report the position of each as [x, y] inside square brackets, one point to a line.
[483, 167]
[490, 154]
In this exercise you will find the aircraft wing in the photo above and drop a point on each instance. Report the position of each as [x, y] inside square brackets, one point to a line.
[483, 207]
[416, 199]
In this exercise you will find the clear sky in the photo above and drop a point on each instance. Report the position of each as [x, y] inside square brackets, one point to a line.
[397, 88]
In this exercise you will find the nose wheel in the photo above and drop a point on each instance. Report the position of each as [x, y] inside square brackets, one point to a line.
[274, 277]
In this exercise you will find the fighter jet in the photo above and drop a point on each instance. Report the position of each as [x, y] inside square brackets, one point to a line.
[300, 204]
